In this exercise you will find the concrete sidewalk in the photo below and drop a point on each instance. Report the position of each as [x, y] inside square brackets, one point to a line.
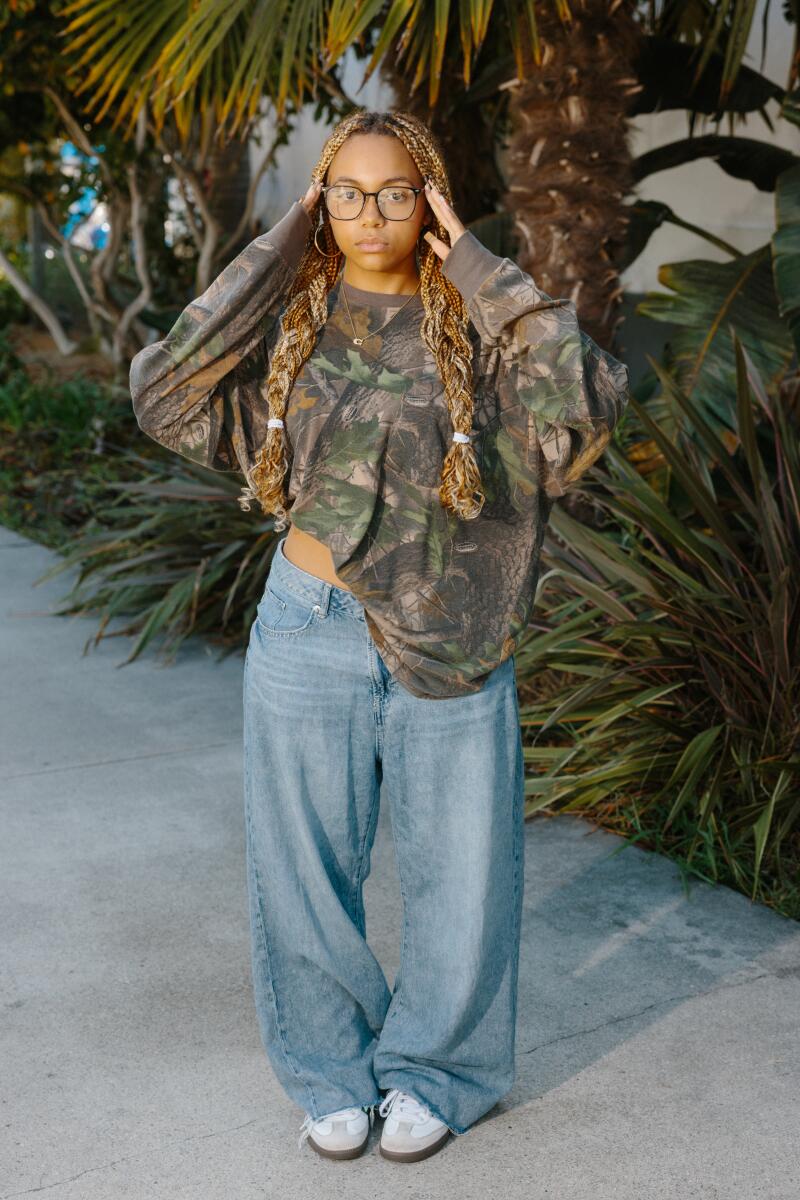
[657, 1037]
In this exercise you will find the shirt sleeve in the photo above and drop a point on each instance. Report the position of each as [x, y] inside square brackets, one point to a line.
[572, 390]
[177, 385]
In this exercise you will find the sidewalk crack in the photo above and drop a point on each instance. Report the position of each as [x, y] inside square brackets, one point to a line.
[199, 1137]
[565, 1037]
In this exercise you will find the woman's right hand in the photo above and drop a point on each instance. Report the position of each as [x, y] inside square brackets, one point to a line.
[312, 196]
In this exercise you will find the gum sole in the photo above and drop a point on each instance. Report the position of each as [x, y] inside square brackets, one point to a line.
[353, 1152]
[415, 1155]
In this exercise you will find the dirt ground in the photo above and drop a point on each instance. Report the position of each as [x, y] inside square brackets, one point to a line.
[36, 349]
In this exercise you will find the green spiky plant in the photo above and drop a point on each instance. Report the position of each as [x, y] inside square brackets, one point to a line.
[671, 649]
[170, 554]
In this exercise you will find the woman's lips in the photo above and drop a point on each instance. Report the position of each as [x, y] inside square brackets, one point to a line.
[372, 245]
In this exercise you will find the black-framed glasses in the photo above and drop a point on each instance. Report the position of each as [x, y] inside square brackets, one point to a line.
[345, 202]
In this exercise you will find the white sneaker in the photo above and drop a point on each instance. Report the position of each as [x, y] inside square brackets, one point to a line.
[339, 1134]
[411, 1131]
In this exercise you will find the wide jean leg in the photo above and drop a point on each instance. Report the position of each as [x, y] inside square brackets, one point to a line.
[324, 724]
[312, 785]
[454, 772]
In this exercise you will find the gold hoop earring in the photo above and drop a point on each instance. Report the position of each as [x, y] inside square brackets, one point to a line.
[322, 252]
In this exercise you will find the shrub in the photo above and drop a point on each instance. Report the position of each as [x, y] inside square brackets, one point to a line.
[671, 650]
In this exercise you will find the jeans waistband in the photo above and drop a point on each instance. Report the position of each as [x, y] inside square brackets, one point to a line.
[311, 587]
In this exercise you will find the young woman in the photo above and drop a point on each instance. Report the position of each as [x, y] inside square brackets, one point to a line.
[410, 404]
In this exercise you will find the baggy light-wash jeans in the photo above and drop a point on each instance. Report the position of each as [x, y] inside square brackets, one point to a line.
[324, 724]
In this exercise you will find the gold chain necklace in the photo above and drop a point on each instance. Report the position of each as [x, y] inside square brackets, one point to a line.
[358, 340]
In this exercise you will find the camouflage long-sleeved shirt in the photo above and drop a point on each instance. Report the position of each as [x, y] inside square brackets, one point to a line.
[445, 600]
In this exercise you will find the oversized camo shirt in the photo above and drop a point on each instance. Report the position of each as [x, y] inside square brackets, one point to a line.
[445, 600]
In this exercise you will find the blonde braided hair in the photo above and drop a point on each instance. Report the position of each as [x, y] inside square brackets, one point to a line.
[443, 329]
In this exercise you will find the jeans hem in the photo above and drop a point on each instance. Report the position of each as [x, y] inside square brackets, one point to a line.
[413, 1091]
[318, 1116]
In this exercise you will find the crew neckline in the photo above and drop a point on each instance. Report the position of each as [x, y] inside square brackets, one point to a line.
[380, 299]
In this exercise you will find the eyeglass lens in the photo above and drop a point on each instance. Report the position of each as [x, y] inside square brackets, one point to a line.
[345, 202]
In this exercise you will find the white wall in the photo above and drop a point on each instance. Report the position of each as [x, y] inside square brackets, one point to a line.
[701, 192]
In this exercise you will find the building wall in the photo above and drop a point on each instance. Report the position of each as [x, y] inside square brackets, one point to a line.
[701, 192]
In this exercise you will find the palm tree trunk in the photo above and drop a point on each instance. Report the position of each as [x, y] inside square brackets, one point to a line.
[568, 163]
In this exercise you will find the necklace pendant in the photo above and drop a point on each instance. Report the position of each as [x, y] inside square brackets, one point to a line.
[357, 341]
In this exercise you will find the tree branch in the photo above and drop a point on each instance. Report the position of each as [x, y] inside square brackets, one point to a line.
[44, 312]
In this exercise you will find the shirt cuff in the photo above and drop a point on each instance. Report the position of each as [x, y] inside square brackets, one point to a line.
[469, 263]
[290, 235]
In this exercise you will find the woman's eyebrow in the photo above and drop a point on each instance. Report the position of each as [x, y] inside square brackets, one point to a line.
[394, 179]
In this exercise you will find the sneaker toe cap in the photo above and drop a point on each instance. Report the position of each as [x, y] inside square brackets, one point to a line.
[340, 1132]
[411, 1135]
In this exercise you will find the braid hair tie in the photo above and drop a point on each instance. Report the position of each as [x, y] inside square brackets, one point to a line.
[460, 437]
[274, 423]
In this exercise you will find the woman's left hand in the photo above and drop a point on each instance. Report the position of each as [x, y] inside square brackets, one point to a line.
[447, 217]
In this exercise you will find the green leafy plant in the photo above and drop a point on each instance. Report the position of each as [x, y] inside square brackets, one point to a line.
[57, 443]
[750, 296]
[670, 654]
[172, 553]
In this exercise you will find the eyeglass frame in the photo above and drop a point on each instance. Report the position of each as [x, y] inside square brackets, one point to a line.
[409, 187]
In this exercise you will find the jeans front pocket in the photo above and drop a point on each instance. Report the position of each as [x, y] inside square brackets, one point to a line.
[283, 613]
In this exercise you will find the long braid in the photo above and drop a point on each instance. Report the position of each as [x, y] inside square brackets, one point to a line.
[443, 329]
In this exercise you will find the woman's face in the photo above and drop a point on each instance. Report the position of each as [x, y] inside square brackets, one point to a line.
[371, 161]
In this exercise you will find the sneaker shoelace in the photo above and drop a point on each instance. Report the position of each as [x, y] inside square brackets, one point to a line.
[310, 1122]
[403, 1105]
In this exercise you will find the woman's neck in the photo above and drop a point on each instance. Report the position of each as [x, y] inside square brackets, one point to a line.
[382, 283]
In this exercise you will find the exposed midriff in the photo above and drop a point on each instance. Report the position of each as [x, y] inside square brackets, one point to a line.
[311, 555]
